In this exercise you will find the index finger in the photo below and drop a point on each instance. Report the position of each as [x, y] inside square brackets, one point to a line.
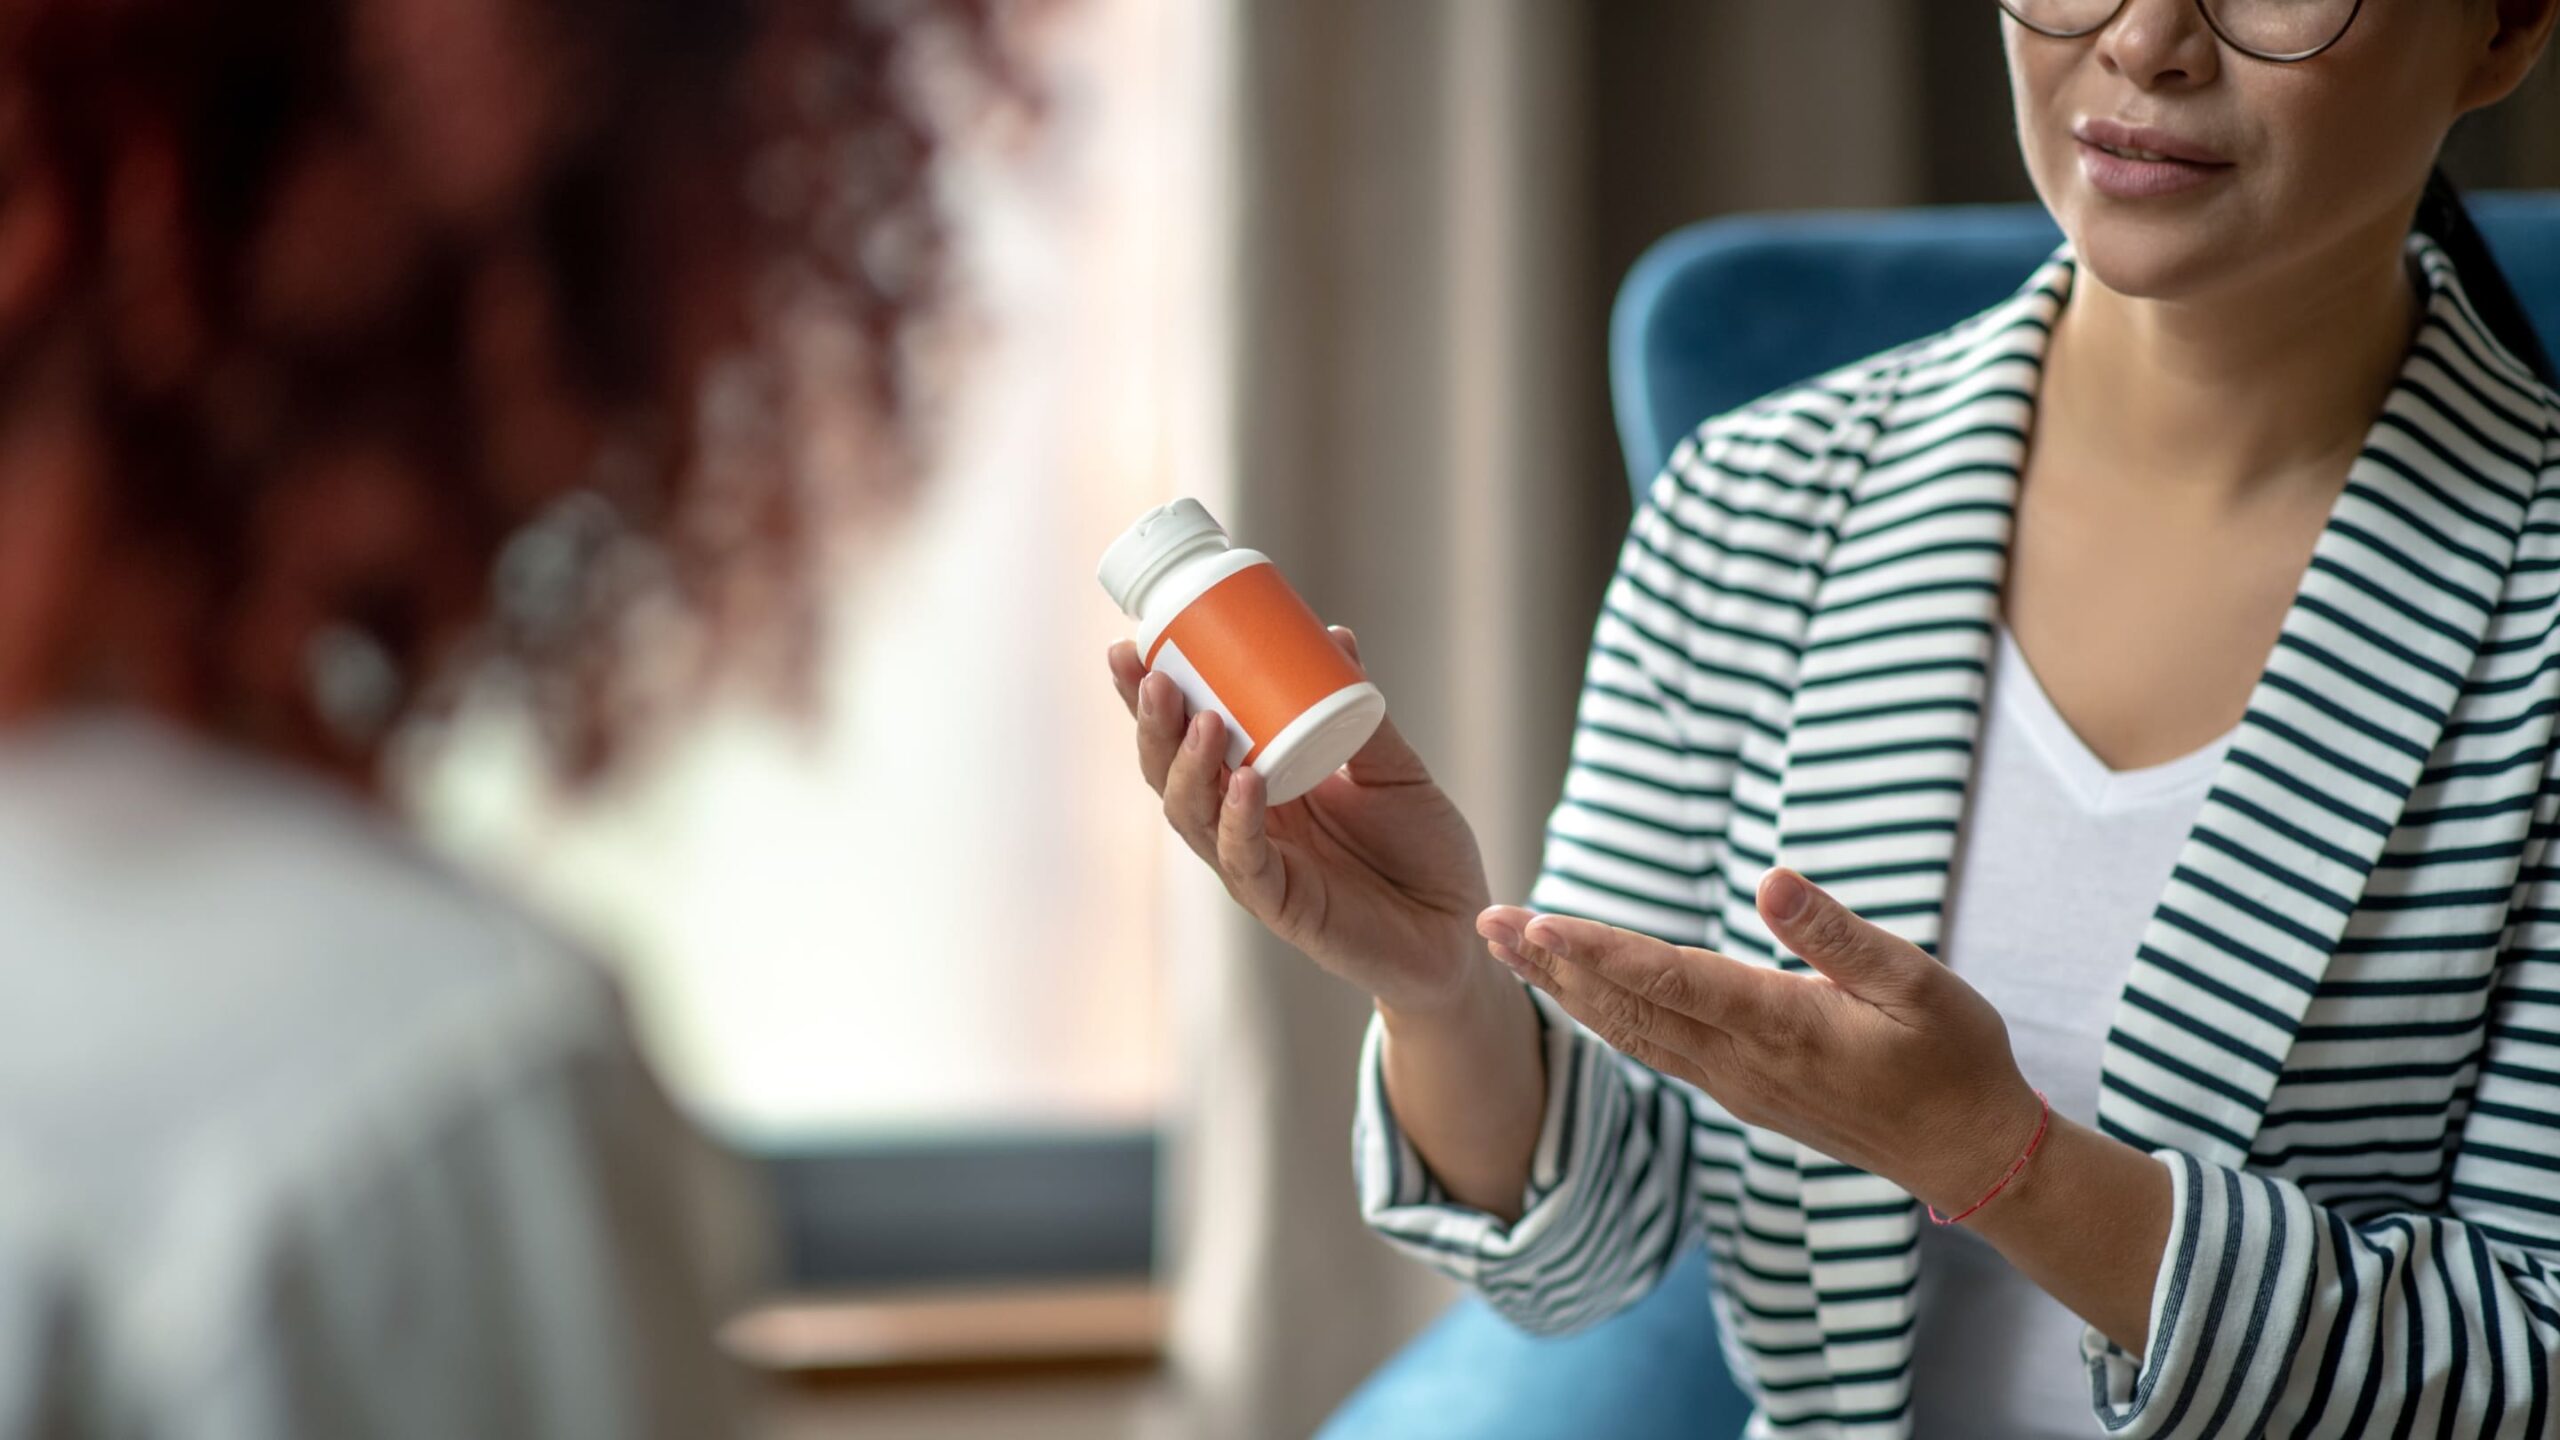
[1712, 988]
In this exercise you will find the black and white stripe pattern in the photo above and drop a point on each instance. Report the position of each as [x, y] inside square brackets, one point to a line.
[2341, 1033]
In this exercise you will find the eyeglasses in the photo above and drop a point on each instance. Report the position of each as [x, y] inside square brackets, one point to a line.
[2278, 30]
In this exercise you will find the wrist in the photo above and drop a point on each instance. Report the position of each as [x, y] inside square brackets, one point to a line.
[1481, 991]
[1991, 1157]
[1475, 1003]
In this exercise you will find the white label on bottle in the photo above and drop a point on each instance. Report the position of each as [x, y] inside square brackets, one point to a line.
[1171, 660]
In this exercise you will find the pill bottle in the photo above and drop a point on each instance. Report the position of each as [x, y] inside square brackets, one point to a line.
[1237, 639]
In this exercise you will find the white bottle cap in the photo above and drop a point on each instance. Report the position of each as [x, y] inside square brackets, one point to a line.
[1146, 545]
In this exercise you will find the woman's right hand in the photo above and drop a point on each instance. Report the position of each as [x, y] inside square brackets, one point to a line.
[1373, 874]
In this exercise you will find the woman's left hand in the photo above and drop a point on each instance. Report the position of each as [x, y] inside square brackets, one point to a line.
[1884, 1059]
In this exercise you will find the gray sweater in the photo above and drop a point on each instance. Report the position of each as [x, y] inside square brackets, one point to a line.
[303, 1135]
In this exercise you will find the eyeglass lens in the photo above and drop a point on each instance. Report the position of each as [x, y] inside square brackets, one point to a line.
[2273, 29]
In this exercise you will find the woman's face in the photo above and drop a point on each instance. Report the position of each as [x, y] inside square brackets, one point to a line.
[2324, 155]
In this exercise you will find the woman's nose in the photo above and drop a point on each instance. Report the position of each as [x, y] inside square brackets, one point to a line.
[2159, 43]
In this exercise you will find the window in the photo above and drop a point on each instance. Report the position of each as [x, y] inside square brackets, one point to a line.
[934, 929]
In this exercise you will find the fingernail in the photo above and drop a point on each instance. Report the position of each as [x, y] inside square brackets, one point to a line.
[1552, 941]
[1511, 961]
[1146, 697]
[1787, 895]
[1500, 932]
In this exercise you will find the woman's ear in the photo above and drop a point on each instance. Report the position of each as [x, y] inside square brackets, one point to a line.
[2512, 34]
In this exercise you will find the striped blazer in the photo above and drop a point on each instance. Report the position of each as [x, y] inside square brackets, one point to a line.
[2341, 1030]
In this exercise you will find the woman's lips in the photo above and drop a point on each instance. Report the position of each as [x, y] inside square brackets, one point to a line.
[2124, 179]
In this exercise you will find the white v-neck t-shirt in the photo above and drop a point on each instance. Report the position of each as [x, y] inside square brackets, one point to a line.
[2059, 864]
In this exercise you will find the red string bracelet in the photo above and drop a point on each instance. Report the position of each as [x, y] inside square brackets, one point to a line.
[2044, 1113]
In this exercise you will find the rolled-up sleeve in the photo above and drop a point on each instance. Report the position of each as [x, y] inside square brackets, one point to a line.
[1608, 1203]
[2277, 1315]
[1605, 1209]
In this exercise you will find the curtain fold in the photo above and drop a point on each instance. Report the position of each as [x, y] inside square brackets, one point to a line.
[1411, 355]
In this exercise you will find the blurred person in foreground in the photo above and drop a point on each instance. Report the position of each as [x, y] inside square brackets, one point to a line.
[361, 360]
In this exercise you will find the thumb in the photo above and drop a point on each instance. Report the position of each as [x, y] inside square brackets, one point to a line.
[1386, 759]
[1861, 956]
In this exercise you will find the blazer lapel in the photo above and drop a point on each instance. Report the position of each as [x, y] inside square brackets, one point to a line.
[2382, 631]
[2400, 588]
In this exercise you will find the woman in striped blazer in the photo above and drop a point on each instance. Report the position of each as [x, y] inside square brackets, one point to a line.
[2221, 1018]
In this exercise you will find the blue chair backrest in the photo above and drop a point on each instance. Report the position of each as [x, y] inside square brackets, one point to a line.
[1725, 311]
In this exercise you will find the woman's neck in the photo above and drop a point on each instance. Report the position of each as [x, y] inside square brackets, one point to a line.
[2217, 402]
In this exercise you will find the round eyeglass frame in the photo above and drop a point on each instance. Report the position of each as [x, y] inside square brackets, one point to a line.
[2117, 9]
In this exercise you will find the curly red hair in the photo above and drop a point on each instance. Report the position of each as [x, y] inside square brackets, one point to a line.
[353, 353]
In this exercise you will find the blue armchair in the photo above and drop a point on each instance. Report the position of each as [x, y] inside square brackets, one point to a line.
[1714, 316]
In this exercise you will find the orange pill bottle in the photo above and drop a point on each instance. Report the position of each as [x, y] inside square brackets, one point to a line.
[1237, 639]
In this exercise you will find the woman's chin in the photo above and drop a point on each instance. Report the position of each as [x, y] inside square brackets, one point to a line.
[2149, 261]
